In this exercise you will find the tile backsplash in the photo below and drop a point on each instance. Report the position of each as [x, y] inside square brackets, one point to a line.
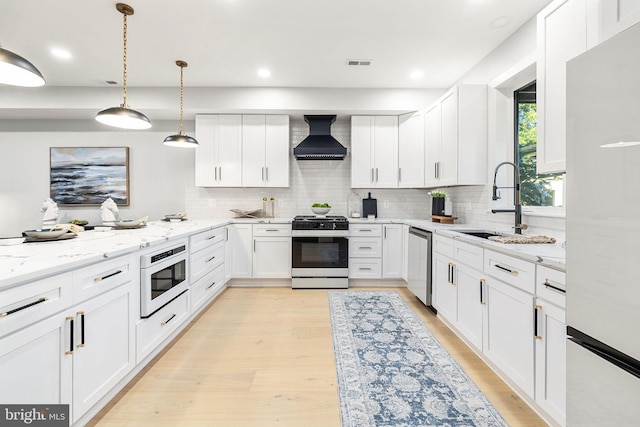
[310, 181]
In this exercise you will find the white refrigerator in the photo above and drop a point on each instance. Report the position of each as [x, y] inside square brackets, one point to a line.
[603, 234]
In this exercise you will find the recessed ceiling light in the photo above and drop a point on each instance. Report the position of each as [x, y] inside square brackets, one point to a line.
[263, 72]
[61, 53]
[416, 74]
[500, 22]
[620, 144]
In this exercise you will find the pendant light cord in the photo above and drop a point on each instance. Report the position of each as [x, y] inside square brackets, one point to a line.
[181, 96]
[124, 62]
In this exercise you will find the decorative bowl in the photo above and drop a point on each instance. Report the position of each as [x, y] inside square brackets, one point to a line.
[46, 233]
[320, 211]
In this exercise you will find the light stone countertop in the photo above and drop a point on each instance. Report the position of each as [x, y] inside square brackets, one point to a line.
[31, 261]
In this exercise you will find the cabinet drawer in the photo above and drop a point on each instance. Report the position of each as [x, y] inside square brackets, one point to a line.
[363, 247]
[152, 331]
[514, 271]
[271, 230]
[26, 304]
[201, 262]
[443, 245]
[468, 254]
[550, 285]
[365, 230]
[207, 287]
[206, 238]
[365, 268]
[104, 276]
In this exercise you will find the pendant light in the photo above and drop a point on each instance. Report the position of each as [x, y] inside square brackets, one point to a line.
[180, 139]
[17, 71]
[123, 116]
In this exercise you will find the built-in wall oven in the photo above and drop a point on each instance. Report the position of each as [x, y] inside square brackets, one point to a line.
[163, 276]
[320, 252]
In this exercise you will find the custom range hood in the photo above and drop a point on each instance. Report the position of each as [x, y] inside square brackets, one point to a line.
[320, 145]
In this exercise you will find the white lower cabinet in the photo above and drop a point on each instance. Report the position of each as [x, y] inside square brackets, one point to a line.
[272, 251]
[445, 292]
[508, 332]
[241, 253]
[392, 251]
[105, 346]
[152, 331]
[365, 251]
[471, 301]
[70, 354]
[228, 269]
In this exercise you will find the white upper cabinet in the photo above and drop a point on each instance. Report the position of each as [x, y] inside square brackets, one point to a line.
[456, 138]
[411, 150]
[242, 151]
[265, 149]
[562, 35]
[219, 156]
[617, 16]
[374, 151]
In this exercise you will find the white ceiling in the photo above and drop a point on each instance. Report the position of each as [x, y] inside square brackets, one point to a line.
[305, 43]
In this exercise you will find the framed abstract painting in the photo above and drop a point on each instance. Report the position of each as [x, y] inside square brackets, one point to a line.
[87, 176]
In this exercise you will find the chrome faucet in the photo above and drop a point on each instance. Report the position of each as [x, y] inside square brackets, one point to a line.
[519, 226]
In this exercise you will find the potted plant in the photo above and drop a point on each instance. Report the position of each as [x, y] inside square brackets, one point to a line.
[437, 202]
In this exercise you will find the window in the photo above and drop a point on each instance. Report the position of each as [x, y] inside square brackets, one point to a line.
[535, 189]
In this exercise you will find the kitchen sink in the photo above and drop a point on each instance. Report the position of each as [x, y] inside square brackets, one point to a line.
[481, 234]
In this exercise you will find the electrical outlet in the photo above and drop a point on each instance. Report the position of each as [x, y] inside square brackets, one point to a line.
[385, 203]
[212, 203]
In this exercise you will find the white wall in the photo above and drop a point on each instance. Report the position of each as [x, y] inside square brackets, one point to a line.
[159, 175]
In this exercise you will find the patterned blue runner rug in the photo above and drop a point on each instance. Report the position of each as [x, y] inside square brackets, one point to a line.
[393, 372]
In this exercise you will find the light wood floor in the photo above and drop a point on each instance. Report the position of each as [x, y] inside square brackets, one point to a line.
[264, 357]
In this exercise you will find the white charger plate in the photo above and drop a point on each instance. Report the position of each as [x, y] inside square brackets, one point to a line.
[45, 233]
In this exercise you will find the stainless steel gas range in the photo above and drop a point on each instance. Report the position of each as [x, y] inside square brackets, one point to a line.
[320, 252]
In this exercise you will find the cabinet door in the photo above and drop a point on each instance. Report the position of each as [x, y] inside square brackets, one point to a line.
[33, 365]
[411, 150]
[362, 173]
[551, 366]
[508, 332]
[241, 236]
[229, 149]
[392, 251]
[617, 16]
[562, 35]
[228, 263]
[253, 150]
[448, 167]
[445, 293]
[385, 151]
[104, 346]
[470, 303]
[432, 137]
[206, 156]
[272, 257]
[277, 151]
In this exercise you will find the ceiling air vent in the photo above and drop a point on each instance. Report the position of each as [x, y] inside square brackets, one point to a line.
[359, 62]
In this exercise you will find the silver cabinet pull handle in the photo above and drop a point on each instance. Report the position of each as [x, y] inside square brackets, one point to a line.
[365, 268]
[267, 174]
[211, 259]
[376, 174]
[365, 247]
[99, 279]
[220, 172]
[371, 174]
[31, 304]
[213, 236]
[399, 174]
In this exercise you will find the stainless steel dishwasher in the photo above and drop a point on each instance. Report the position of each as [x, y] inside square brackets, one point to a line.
[419, 271]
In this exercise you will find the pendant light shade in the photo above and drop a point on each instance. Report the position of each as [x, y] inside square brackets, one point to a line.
[180, 139]
[17, 71]
[123, 116]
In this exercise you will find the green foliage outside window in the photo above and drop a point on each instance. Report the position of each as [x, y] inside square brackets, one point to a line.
[535, 190]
